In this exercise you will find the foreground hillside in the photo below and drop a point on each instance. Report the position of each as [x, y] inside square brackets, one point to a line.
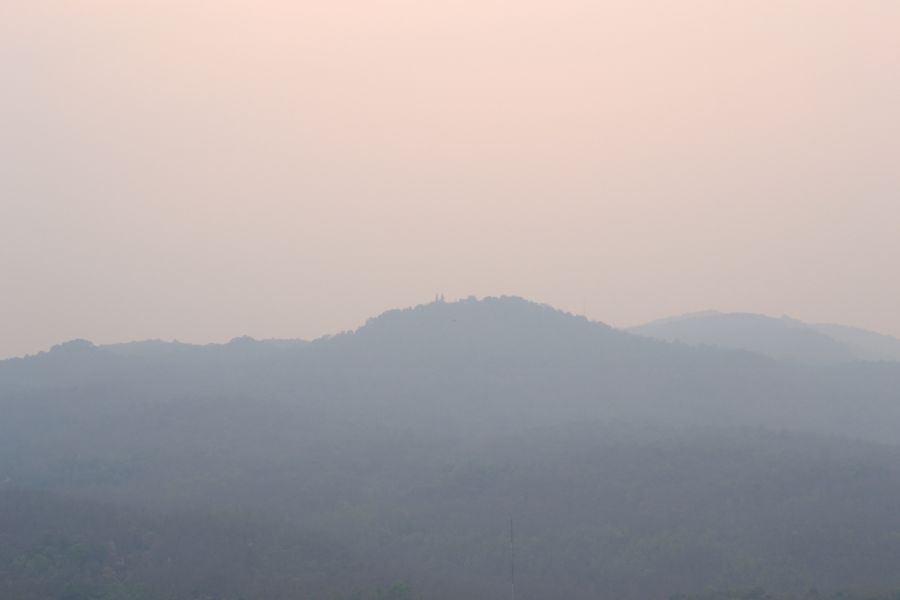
[598, 514]
[388, 461]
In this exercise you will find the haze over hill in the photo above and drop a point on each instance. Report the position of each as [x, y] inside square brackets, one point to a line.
[395, 454]
[198, 170]
[219, 204]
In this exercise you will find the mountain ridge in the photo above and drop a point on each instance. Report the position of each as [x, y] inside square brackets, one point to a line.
[840, 343]
[783, 338]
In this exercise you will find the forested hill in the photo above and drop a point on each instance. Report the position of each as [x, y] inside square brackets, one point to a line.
[500, 363]
[386, 463]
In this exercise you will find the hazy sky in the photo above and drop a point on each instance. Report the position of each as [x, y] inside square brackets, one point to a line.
[201, 169]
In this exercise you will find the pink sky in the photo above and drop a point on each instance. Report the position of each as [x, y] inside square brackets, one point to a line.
[204, 169]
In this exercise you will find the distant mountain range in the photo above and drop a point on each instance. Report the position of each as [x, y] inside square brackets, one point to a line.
[349, 466]
[506, 363]
[783, 339]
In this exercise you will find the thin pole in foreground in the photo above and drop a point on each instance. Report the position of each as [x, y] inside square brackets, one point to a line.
[512, 561]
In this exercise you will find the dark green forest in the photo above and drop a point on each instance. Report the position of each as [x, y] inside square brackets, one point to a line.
[386, 464]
